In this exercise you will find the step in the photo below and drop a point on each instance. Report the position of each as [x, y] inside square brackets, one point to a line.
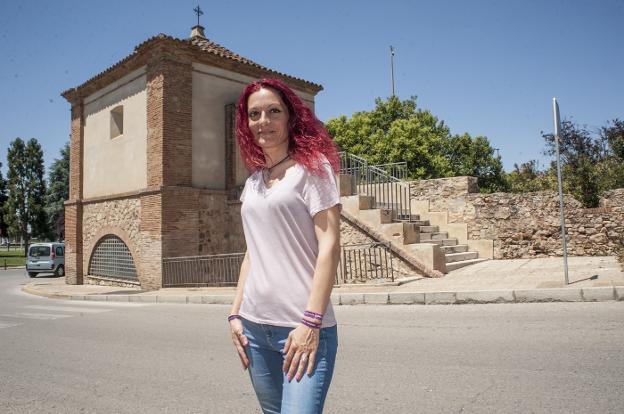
[376, 216]
[460, 248]
[460, 257]
[353, 204]
[433, 236]
[445, 242]
[429, 229]
[457, 265]
[402, 232]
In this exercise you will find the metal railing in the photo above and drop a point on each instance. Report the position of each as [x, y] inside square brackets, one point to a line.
[397, 170]
[214, 270]
[361, 263]
[389, 192]
[358, 263]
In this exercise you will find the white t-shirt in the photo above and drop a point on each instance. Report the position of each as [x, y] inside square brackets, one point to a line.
[281, 243]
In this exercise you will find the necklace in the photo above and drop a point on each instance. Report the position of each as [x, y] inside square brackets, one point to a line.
[267, 171]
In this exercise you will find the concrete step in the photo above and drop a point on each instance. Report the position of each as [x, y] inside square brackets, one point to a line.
[402, 232]
[445, 242]
[375, 217]
[429, 229]
[457, 265]
[353, 204]
[460, 248]
[460, 257]
[439, 236]
[433, 236]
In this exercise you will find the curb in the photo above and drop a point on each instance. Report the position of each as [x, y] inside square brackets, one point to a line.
[592, 294]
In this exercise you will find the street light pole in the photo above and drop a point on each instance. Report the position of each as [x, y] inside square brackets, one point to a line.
[561, 207]
[392, 67]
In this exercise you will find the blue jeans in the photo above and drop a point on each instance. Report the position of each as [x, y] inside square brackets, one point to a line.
[275, 393]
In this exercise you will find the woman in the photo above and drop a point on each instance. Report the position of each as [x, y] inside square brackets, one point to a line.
[282, 323]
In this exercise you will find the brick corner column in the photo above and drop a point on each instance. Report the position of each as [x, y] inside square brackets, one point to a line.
[73, 207]
[169, 118]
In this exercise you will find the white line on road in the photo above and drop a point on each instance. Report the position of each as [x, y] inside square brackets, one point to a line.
[28, 315]
[69, 309]
[8, 324]
[103, 304]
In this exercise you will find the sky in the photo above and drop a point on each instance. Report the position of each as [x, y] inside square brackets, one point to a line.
[487, 68]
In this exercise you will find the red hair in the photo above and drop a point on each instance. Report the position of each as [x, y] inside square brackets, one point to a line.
[308, 139]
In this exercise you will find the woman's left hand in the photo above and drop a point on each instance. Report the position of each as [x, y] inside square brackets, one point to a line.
[300, 350]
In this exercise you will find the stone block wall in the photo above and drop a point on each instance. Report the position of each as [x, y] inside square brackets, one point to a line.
[443, 193]
[525, 225]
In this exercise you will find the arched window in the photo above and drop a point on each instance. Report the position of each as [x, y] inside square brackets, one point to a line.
[112, 258]
[116, 121]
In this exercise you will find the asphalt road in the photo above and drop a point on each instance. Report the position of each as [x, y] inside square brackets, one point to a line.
[93, 357]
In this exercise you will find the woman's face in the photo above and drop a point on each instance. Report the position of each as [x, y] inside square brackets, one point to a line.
[268, 119]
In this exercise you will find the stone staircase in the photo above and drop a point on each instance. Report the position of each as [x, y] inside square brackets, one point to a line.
[425, 239]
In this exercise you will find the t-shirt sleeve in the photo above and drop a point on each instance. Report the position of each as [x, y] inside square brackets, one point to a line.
[321, 192]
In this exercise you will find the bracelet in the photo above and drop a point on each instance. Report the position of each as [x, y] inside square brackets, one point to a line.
[233, 316]
[313, 315]
[311, 324]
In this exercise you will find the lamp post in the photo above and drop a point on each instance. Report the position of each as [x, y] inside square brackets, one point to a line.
[392, 67]
[557, 121]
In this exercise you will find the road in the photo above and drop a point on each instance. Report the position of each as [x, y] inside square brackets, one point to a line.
[93, 357]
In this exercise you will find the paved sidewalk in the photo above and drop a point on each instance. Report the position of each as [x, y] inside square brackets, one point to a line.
[493, 281]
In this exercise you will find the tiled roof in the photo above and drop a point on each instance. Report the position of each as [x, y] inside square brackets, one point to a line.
[202, 44]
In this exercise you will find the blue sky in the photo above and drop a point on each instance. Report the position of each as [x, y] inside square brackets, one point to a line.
[485, 67]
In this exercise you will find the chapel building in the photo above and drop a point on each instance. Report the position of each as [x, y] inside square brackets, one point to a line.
[155, 171]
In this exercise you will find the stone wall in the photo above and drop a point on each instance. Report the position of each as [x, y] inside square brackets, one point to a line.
[443, 193]
[525, 225]
[119, 217]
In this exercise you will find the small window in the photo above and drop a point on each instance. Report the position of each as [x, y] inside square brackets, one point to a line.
[116, 121]
[59, 251]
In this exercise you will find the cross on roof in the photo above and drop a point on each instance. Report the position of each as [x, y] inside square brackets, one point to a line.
[198, 12]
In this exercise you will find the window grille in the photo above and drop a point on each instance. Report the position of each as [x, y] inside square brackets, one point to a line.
[112, 258]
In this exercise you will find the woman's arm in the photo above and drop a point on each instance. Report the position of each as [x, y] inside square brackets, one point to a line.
[236, 326]
[327, 229]
[303, 341]
[242, 277]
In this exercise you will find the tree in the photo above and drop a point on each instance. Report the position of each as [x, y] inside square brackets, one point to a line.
[475, 157]
[611, 170]
[396, 131]
[592, 162]
[526, 177]
[24, 212]
[58, 193]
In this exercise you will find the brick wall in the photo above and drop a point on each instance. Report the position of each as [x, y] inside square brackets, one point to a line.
[73, 207]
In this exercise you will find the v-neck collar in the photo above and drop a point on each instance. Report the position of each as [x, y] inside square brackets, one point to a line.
[266, 189]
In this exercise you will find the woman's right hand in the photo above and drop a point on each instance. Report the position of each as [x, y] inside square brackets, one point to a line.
[240, 341]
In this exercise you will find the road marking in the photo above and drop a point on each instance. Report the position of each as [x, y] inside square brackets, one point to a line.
[68, 309]
[28, 315]
[102, 304]
[8, 324]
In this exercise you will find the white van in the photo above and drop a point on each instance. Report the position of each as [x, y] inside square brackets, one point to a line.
[46, 258]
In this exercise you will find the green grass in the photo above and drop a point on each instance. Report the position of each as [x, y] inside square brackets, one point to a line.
[13, 257]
